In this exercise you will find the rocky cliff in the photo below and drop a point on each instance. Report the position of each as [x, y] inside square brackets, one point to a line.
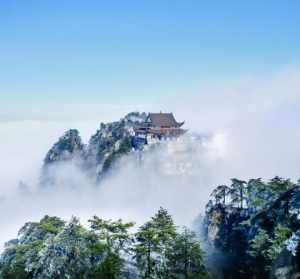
[261, 243]
[109, 142]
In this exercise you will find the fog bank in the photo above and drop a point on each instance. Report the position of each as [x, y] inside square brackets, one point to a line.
[249, 128]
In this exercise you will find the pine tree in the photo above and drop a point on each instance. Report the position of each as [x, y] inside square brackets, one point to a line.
[238, 192]
[115, 234]
[185, 257]
[66, 255]
[281, 234]
[116, 239]
[152, 242]
[257, 194]
[258, 250]
[279, 185]
[259, 244]
[220, 193]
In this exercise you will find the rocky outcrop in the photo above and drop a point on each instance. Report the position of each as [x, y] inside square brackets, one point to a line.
[67, 147]
[221, 222]
[286, 266]
[103, 149]
[225, 231]
[262, 244]
[110, 140]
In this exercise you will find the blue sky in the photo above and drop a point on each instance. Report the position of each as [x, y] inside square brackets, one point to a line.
[133, 52]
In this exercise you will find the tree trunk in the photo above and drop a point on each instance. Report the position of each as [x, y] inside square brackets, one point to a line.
[185, 260]
[148, 261]
[241, 196]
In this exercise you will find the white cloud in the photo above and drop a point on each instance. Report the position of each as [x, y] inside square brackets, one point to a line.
[23, 146]
[177, 175]
[259, 118]
[254, 129]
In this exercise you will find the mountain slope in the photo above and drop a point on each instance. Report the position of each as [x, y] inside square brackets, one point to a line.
[95, 158]
[260, 237]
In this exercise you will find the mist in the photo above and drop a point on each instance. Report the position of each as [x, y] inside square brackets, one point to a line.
[244, 128]
[176, 174]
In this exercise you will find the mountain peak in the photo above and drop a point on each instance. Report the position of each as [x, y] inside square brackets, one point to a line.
[65, 148]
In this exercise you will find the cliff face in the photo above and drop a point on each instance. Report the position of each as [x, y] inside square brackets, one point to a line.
[110, 140]
[263, 244]
[95, 158]
[67, 147]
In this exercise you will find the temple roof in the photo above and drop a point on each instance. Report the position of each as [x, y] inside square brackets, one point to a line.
[163, 120]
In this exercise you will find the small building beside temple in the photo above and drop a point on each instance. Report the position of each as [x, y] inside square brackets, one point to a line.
[159, 126]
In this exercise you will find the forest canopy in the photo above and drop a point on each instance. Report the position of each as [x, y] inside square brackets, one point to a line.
[53, 248]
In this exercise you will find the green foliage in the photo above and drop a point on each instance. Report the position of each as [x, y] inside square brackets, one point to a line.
[14, 264]
[116, 238]
[185, 257]
[124, 147]
[281, 234]
[249, 206]
[21, 258]
[259, 244]
[254, 194]
[15, 271]
[220, 194]
[54, 249]
[257, 194]
[265, 249]
[237, 192]
[65, 255]
[114, 233]
[162, 252]
[153, 238]
[51, 224]
[109, 268]
[280, 185]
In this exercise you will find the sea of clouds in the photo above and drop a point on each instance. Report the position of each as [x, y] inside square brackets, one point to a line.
[248, 128]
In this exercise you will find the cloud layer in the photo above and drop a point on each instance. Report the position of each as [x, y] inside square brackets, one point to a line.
[249, 128]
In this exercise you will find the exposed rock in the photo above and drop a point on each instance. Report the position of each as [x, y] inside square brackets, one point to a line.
[104, 148]
[108, 141]
[221, 222]
[286, 266]
[231, 230]
[67, 147]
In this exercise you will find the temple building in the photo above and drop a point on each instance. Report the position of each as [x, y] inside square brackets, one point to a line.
[159, 126]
